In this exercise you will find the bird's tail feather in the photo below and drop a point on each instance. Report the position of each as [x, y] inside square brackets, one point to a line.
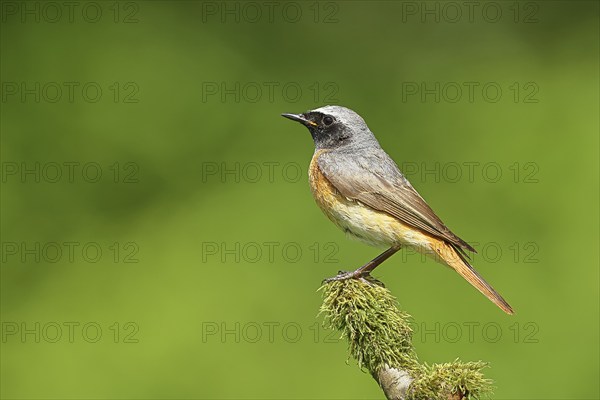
[450, 256]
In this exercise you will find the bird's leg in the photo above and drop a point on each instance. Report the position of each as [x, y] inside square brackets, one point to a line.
[367, 268]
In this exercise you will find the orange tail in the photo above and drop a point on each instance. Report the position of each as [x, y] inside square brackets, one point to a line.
[456, 260]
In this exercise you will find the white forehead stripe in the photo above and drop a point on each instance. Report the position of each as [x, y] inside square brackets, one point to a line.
[343, 114]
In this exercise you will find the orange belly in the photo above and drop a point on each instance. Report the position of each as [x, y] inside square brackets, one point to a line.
[360, 221]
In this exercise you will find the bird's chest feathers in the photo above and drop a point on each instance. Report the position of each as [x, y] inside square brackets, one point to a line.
[356, 219]
[324, 193]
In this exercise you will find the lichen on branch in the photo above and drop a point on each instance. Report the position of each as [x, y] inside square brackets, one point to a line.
[379, 338]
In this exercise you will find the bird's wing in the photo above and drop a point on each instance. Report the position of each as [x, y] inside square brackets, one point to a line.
[375, 180]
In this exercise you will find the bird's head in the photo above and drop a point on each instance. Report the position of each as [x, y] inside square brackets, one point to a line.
[335, 126]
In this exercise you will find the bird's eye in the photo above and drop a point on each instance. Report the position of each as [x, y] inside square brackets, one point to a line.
[328, 120]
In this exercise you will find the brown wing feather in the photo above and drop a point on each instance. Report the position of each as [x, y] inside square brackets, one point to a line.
[376, 181]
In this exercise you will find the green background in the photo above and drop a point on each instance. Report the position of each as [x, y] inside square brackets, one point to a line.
[240, 324]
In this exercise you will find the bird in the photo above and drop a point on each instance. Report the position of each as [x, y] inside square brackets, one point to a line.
[362, 191]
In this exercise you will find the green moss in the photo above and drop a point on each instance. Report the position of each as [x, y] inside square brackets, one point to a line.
[379, 334]
[439, 380]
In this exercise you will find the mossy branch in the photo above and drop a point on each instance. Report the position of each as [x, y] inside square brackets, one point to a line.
[380, 339]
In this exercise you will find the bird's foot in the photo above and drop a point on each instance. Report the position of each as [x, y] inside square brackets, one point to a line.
[358, 274]
[342, 276]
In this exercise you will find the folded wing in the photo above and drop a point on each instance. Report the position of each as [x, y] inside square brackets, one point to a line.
[375, 180]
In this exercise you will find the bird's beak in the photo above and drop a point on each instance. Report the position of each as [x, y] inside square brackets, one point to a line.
[299, 118]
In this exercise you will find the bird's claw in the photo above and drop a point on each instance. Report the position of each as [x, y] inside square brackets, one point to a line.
[345, 275]
[341, 276]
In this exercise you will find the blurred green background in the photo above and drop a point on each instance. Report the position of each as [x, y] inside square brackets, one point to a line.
[189, 267]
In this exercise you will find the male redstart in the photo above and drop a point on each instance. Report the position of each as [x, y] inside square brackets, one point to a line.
[361, 190]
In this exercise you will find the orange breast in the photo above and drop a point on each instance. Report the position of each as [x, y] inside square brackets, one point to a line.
[325, 194]
[359, 220]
